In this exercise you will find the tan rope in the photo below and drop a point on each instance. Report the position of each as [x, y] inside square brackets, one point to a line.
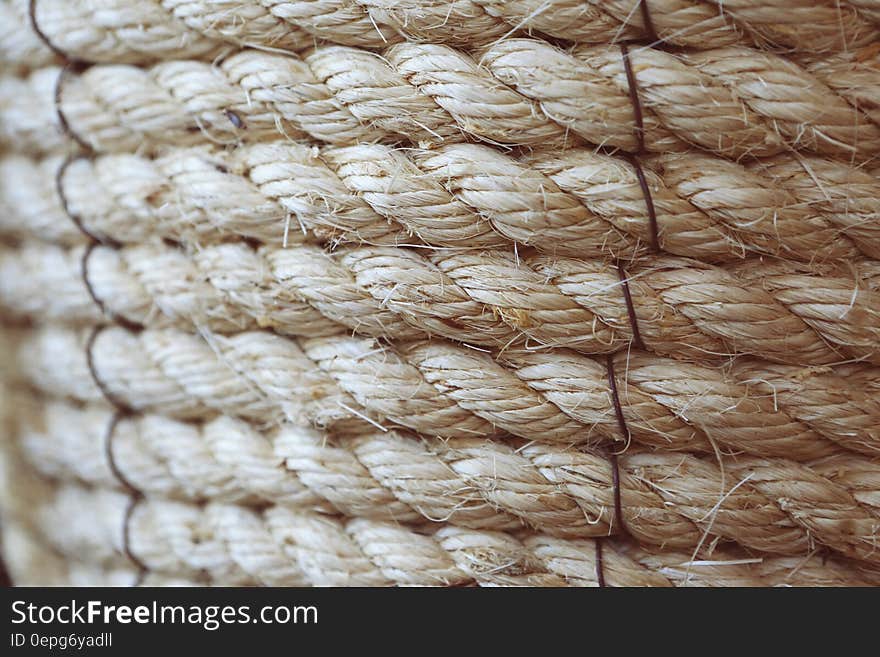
[854, 75]
[869, 8]
[21, 50]
[140, 30]
[186, 531]
[230, 543]
[430, 292]
[735, 102]
[33, 563]
[440, 389]
[28, 121]
[115, 30]
[579, 203]
[669, 501]
[29, 205]
[847, 414]
[786, 313]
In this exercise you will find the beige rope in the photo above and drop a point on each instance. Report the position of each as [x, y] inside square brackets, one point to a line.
[230, 543]
[786, 313]
[869, 8]
[21, 50]
[32, 563]
[667, 500]
[116, 30]
[579, 203]
[303, 256]
[29, 207]
[140, 30]
[732, 101]
[439, 389]
[28, 122]
[854, 75]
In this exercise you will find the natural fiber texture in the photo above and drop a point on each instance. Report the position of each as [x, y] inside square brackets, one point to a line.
[278, 546]
[579, 203]
[31, 560]
[736, 102]
[440, 389]
[21, 49]
[667, 500]
[469, 292]
[140, 30]
[685, 308]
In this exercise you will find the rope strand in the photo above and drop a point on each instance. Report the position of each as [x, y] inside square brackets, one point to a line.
[682, 308]
[279, 546]
[735, 102]
[143, 30]
[557, 397]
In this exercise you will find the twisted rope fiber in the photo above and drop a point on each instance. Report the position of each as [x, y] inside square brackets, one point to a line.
[869, 8]
[33, 558]
[111, 396]
[19, 479]
[735, 102]
[578, 203]
[21, 49]
[138, 31]
[32, 563]
[852, 74]
[27, 124]
[557, 397]
[622, 422]
[670, 501]
[135, 495]
[612, 380]
[58, 532]
[278, 546]
[201, 181]
[783, 312]
[239, 123]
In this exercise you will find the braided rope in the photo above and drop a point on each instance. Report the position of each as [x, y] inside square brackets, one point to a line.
[580, 204]
[278, 546]
[682, 308]
[666, 500]
[142, 30]
[558, 397]
[344, 344]
[32, 563]
[852, 75]
[841, 316]
[735, 102]
[21, 49]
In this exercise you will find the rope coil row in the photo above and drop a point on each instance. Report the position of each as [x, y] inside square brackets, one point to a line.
[227, 542]
[407, 233]
[579, 204]
[735, 102]
[122, 410]
[661, 500]
[277, 546]
[681, 309]
[139, 31]
[557, 397]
